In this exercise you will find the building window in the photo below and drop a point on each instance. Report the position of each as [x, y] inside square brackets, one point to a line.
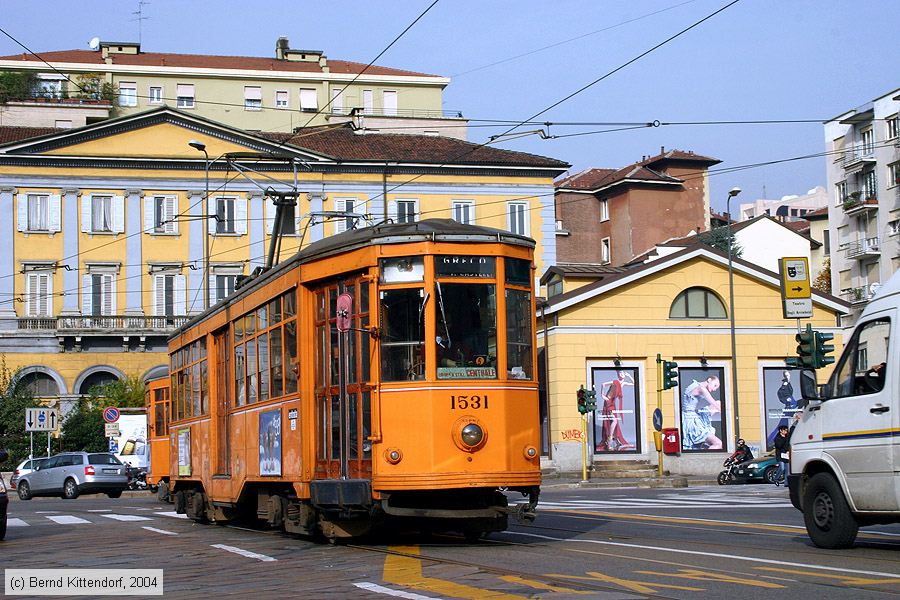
[225, 215]
[697, 303]
[893, 127]
[63, 124]
[554, 286]
[168, 294]
[389, 100]
[517, 217]
[406, 211]
[368, 101]
[127, 93]
[337, 101]
[894, 174]
[288, 221]
[281, 99]
[605, 254]
[155, 95]
[38, 294]
[48, 86]
[867, 137]
[99, 293]
[164, 209]
[604, 209]
[38, 212]
[894, 227]
[308, 100]
[222, 282]
[252, 97]
[348, 206]
[464, 211]
[840, 190]
[39, 385]
[826, 242]
[101, 213]
[185, 95]
[869, 185]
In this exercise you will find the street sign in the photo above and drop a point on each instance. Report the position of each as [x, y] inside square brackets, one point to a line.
[657, 419]
[800, 308]
[112, 430]
[111, 414]
[41, 419]
[796, 292]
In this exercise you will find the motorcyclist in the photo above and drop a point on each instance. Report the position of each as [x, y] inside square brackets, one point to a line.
[742, 453]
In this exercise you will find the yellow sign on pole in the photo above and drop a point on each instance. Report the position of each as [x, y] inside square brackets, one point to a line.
[795, 278]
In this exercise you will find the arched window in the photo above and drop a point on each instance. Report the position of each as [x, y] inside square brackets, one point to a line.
[697, 303]
[96, 379]
[39, 385]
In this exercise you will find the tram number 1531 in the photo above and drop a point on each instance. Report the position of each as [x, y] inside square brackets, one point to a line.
[466, 402]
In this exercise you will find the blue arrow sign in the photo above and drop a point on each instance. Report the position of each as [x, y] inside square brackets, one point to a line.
[657, 419]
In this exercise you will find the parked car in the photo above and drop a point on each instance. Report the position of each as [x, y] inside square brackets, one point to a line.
[74, 473]
[762, 468]
[25, 467]
[4, 499]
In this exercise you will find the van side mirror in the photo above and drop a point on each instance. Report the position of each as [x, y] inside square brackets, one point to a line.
[809, 387]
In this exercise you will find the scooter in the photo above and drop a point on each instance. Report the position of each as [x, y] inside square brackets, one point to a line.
[137, 478]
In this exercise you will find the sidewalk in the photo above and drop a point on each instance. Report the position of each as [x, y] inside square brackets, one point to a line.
[573, 481]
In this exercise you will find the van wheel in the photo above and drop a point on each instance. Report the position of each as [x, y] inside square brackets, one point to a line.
[70, 489]
[829, 522]
[24, 490]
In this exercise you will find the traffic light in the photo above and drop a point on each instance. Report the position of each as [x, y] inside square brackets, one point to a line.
[670, 374]
[822, 350]
[590, 400]
[806, 347]
[582, 400]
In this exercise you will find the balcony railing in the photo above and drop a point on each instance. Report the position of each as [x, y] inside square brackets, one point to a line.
[104, 323]
[856, 295]
[857, 203]
[867, 247]
[858, 153]
[415, 113]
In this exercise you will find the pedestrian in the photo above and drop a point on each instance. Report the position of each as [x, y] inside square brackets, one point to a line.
[782, 450]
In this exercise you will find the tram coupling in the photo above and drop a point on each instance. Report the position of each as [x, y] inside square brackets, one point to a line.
[526, 512]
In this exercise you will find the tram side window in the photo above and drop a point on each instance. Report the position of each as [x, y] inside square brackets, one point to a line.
[402, 334]
[518, 334]
[160, 405]
[190, 381]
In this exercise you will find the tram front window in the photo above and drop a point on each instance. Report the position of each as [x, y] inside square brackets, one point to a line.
[466, 338]
[402, 335]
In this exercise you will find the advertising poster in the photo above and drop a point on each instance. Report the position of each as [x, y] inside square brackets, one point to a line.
[781, 388]
[616, 418]
[270, 442]
[184, 451]
[702, 413]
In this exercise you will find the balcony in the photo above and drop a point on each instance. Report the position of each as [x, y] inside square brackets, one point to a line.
[855, 204]
[856, 295]
[856, 154]
[107, 324]
[865, 248]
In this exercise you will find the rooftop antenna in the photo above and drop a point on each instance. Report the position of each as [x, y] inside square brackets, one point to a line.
[94, 43]
[140, 17]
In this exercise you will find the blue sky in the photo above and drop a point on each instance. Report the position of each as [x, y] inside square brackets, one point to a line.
[757, 60]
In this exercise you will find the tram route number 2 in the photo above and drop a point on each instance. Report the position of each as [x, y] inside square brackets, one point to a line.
[465, 402]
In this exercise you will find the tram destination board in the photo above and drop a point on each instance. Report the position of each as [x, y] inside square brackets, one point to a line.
[451, 265]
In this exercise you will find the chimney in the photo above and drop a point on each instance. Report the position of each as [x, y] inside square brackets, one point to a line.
[281, 47]
[662, 149]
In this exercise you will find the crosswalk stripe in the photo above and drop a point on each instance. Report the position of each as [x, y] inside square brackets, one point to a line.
[162, 531]
[126, 517]
[243, 552]
[12, 522]
[67, 519]
[172, 514]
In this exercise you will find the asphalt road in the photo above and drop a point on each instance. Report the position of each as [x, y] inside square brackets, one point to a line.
[707, 542]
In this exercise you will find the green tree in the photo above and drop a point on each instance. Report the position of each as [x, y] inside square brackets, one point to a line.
[124, 393]
[83, 428]
[717, 237]
[16, 86]
[14, 399]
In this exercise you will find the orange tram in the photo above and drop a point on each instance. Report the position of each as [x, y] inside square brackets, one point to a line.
[384, 375]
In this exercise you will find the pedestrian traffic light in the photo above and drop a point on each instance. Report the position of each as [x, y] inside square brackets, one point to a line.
[822, 350]
[670, 374]
[582, 400]
[590, 400]
[806, 347]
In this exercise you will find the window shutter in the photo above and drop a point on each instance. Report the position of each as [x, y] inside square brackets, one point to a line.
[45, 288]
[29, 284]
[270, 216]
[390, 103]
[240, 216]
[54, 223]
[118, 214]
[108, 292]
[171, 211]
[149, 214]
[159, 295]
[180, 295]
[210, 212]
[213, 291]
[392, 211]
[86, 213]
[22, 212]
[87, 307]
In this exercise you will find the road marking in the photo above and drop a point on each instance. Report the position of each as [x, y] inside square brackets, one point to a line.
[538, 585]
[687, 521]
[162, 531]
[172, 514]
[99, 510]
[702, 575]
[843, 578]
[66, 519]
[407, 571]
[639, 587]
[380, 589]
[707, 555]
[243, 552]
[12, 522]
[127, 517]
[46, 512]
[559, 506]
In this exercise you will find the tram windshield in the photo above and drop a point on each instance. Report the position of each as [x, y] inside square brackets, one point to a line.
[403, 334]
[466, 338]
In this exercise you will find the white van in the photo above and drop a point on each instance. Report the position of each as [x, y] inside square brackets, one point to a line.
[845, 450]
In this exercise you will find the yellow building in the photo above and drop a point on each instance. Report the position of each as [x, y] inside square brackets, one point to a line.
[104, 254]
[603, 328]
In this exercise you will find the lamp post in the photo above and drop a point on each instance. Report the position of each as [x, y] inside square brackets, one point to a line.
[202, 148]
[734, 385]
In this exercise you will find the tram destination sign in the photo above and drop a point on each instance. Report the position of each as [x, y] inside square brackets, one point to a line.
[454, 265]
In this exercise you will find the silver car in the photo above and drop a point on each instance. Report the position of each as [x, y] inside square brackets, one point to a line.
[74, 473]
[25, 467]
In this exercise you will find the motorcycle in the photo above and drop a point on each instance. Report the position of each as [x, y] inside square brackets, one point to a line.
[137, 478]
[731, 463]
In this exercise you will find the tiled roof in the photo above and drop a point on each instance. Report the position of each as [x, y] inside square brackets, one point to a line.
[581, 270]
[817, 214]
[14, 134]
[641, 171]
[343, 143]
[679, 155]
[200, 61]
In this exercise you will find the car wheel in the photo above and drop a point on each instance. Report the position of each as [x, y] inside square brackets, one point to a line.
[770, 473]
[24, 490]
[70, 489]
[115, 494]
[829, 522]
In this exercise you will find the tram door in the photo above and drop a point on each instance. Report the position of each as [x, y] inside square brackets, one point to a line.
[221, 352]
[350, 358]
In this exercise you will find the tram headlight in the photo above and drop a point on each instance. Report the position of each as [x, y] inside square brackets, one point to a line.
[530, 452]
[393, 455]
[472, 435]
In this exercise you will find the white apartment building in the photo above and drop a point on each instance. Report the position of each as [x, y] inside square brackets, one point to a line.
[864, 212]
[788, 208]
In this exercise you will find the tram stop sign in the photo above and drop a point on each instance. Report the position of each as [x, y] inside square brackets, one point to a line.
[344, 310]
[657, 419]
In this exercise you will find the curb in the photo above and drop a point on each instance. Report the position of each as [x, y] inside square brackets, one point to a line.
[654, 482]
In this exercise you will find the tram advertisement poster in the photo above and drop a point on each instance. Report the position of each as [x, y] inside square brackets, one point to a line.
[702, 411]
[184, 451]
[616, 418]
[270, 442]
[781, 388]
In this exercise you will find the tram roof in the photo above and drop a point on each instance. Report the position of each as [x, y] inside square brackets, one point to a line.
[434, 230]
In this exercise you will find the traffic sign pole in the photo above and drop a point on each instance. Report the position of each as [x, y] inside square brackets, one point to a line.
[659, 386]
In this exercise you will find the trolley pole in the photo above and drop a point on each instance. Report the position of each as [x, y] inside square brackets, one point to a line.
[584, 458]
[657, 436]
